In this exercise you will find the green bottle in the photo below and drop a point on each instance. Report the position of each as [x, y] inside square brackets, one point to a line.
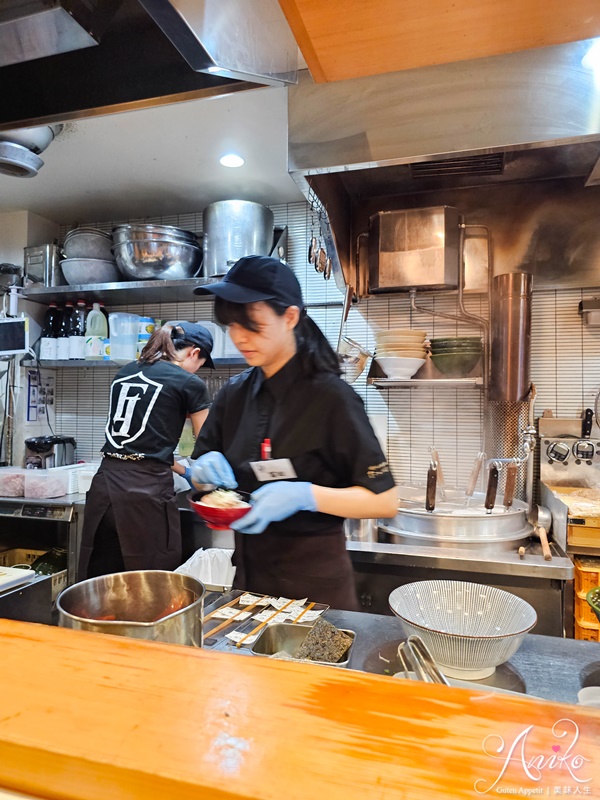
[49, 563]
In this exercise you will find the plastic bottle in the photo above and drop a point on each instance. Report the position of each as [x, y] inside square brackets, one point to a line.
[62, 340]
[48, 341]
[96, 334]
[77, 332]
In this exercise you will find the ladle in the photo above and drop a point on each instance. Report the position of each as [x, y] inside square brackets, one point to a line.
[541, 519]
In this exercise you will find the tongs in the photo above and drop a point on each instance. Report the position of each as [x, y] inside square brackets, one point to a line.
[419, 661]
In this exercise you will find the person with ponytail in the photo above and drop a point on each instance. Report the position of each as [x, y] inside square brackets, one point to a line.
[131, 517]
[294, 434]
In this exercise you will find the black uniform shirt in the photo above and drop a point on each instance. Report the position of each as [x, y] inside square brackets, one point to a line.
[148, 407]
[318, 422]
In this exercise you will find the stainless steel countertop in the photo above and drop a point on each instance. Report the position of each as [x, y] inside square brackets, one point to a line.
[544, 666]
[65, 500]
[500, 563]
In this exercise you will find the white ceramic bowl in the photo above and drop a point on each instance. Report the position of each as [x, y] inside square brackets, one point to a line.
[398, 368]
[402, 341]
[469, 628]
[402, 352]
[405, 333]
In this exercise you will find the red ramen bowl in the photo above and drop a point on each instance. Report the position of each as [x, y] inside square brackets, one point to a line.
[219, 519]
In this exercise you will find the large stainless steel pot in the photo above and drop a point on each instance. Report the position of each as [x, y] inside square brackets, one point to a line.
[456, 525]
[136, 599]
[232, 229]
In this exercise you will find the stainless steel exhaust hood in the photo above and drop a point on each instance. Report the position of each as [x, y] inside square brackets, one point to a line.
[152, 52]
[31, 29]
[512, 119]
[233, 38]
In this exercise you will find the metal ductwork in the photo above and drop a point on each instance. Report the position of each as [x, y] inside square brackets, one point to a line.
[31, 29]
[448, 133]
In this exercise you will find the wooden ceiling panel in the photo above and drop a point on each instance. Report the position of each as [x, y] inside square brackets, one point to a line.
[342, 39]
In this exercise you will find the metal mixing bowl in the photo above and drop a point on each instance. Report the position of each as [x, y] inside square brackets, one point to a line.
[88, 243]
[157, 605]
[126, 233]
[89, 270]
[158, 259]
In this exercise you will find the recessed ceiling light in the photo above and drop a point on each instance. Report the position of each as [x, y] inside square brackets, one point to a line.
[231, 160]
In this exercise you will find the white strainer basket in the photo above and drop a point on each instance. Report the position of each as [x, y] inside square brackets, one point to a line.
[469, 628]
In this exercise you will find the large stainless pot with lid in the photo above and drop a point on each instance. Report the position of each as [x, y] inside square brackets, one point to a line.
[232, 229]
[457, 523]
[156, 605]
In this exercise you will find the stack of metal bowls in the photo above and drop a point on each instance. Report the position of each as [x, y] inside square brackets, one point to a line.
[156, 252]
[88, 257]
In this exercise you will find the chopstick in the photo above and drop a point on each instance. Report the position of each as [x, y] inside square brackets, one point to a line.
[231, 619]
[302, 613]
[265, 622]
[225, 605]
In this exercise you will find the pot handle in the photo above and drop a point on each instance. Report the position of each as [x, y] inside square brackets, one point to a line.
[492, 488]
[431, 487]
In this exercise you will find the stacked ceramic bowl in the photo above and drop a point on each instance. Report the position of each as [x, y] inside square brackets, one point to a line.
[400, 352]
[88, 257]
[456, 356]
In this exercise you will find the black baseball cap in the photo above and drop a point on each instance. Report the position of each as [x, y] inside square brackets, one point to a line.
[255, 278]
[196, 334]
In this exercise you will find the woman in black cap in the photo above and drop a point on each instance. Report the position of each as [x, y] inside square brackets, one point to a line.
[131, 515]
[293, 433]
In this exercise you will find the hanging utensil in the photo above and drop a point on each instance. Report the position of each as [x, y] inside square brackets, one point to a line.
[312, 250]
[492, 487]
[321, 260]
[474, 477]
[431, 487]
[345, 311]
[510, 486]
[441, 485]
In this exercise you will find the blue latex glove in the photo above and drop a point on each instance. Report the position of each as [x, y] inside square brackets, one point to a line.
[188, 475]
[213, 468]
[274, 502]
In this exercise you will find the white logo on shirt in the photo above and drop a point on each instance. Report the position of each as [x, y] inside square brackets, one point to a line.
[136, 393]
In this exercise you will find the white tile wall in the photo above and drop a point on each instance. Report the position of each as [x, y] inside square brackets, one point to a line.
[565, 362]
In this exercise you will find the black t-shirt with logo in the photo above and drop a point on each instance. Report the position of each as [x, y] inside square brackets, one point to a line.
[148, 407]
[319, 423]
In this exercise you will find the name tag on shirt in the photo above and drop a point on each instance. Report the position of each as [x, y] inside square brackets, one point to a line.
[275, 469]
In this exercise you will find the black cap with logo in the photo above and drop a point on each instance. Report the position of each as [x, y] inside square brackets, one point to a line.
[196, 334]
[255, 278]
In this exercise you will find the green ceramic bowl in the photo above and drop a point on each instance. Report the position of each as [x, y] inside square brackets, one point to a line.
[454, 345]
[455, 365]
[593, 598]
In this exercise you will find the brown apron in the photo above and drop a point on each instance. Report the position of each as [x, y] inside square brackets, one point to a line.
[312, 565]
[139, 495]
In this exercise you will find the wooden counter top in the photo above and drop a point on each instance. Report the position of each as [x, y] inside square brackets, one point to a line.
[96, 716]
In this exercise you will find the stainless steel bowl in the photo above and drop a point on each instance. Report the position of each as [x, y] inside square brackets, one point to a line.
[136, 599]
[125, 233]
[88, 243]
[158, 259]
[287, 637]
[89, 270]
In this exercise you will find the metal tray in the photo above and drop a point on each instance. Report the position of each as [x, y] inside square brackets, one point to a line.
[289, 637]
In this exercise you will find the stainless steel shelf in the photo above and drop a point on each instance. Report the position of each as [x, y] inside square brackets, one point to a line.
[219, 362]
[435, 383]
[122, 293]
